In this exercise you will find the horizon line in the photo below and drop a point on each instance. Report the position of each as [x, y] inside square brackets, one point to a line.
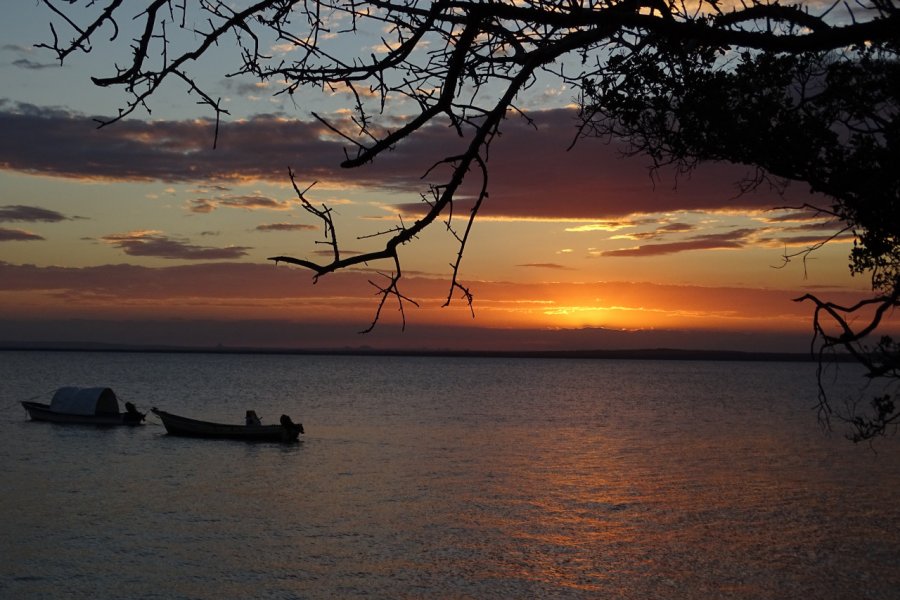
[660, 353]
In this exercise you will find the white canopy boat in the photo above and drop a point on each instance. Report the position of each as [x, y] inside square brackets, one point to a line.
[84, 406]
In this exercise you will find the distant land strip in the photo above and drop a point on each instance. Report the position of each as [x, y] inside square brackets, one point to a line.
[639, 354]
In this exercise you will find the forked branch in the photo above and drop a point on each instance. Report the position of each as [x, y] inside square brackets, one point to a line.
[835, 331]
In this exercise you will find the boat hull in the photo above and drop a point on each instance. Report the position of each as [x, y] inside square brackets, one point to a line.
[186, 427]
[42, 412]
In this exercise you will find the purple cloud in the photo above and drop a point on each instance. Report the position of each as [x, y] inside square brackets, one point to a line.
[246, 202]
[532, 174]
[32, 214]
[713, 241]
[18, 235]
[152, 243]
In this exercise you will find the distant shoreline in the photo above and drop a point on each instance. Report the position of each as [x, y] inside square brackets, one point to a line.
[622, 354]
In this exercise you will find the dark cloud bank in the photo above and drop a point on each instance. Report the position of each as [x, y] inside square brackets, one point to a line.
[532, 174]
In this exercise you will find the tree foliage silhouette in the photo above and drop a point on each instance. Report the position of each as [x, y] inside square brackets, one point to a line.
[806, 93]
[825, 118]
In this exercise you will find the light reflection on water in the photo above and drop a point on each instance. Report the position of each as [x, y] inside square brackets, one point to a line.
[445, 478]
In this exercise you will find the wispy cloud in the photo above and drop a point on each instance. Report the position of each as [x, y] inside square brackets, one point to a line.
[675, 228]
[245, 88]
[713, 241]
[24, 63]
[823, 226]
[330, 253]
[246, 202]
[155, 244]
[658, 233]
[552, 266]
[284, 48]
[18, 235]
[30, 214]
[795, 216]
[805, 240]
[601, 226]
[286, 227]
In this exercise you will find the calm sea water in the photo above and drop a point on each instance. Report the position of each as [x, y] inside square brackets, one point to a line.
[444, 478]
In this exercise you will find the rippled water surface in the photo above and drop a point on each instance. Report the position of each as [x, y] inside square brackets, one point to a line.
[444, 478]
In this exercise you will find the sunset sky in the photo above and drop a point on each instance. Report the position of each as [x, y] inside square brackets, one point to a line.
[142, 233]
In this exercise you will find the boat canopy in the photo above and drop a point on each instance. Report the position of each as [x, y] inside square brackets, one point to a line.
[85, 401]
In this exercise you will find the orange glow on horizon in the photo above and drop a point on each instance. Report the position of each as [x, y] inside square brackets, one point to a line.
[347, 302]
[267, 292]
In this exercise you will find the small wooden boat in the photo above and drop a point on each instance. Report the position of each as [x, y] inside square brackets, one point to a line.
[285, 431]
[84, 406]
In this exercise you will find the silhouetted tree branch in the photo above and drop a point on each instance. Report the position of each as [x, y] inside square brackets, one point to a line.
[833, 332]
[801, 92]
